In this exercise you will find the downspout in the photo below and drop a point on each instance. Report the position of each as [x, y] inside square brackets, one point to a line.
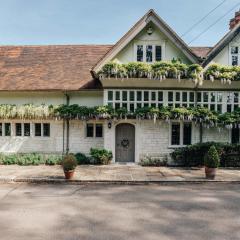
[66, 122]
[200, 125]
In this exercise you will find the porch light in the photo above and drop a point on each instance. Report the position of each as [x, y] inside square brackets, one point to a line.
[109, 124]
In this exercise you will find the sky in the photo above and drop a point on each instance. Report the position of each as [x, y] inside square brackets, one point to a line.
[43, 22]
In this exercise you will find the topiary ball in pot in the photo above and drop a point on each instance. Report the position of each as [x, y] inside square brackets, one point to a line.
[69, 164]
[211, 162]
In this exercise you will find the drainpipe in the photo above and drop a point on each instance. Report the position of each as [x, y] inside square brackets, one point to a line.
[66, 122]
[200, 125]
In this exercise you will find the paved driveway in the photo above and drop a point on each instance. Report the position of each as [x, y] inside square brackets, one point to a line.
[69, 212]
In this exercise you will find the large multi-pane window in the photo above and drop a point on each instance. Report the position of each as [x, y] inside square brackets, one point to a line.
[133, 99]
[148, 53]
[181, 133]
[232, 101]
[213, 100]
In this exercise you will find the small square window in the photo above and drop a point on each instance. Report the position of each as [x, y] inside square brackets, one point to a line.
[110, 95]
[177, 96]
[170, 96]
[153, 96]
[26, 129]
[213, 99]
[117, 95]
[132, 95]
[160, 96]
[46, 129]
[117, 106]
[38, 129]
[199, 97]
[18, 129]
[184, 96]
[90, 130]
[205, 96]
[124, 95]
[146, 96]
[131, 107]
[191, 96]
[7, 129]
[219, 97]
[139, 96]
[99, 130]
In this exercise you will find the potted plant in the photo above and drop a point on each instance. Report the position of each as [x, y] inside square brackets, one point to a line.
[211, 162]
[69, 164]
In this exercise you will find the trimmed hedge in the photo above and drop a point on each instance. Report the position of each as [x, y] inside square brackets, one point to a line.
[30, 159]
[193, 155]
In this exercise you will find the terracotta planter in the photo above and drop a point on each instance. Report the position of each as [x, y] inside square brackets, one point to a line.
[69, 174]
[210, 172]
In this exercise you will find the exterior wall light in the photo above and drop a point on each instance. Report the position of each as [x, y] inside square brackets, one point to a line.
[109, 124]
[150, 31]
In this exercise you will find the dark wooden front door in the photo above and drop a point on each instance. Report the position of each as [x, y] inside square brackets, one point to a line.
[125, 142]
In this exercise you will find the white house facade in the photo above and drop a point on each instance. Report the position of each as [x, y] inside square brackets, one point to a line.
[56, 75]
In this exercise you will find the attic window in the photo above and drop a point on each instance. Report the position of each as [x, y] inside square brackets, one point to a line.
[234, 56]
[148, 53]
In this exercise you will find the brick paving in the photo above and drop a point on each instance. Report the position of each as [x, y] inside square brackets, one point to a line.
[114, 173]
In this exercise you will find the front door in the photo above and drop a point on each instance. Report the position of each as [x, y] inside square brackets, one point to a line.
[125, 142]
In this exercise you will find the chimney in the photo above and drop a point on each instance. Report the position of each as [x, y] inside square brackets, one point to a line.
[234, 21]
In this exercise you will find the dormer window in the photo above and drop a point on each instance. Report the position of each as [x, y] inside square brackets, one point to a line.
[235, 56]
[148, 53]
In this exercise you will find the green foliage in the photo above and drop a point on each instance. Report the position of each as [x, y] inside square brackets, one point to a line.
[69, 162]
[26, 159]
[211, 159]
[158, 70]
[82, 159]
[153, 162]
[101, 156]
[193, 155]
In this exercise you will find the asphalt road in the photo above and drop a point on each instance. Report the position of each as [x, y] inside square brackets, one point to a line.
[69, 212]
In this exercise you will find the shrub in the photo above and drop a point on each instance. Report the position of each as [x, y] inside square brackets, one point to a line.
[69, 162]
[193, 155]
[101, 156]
[211, 159]
[26, 159]
[53, 160]
[82, 159]
[153, 162]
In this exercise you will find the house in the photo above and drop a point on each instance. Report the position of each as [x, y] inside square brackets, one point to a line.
[72, 74]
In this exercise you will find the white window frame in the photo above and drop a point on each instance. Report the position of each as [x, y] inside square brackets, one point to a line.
[153, 44]
[94, 130]
[44, 137]
[234, 54]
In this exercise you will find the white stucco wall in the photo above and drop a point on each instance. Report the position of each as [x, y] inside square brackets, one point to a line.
[224, 57]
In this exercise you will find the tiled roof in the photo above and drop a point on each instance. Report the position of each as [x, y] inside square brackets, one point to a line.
[201, 52]
[57, 67]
